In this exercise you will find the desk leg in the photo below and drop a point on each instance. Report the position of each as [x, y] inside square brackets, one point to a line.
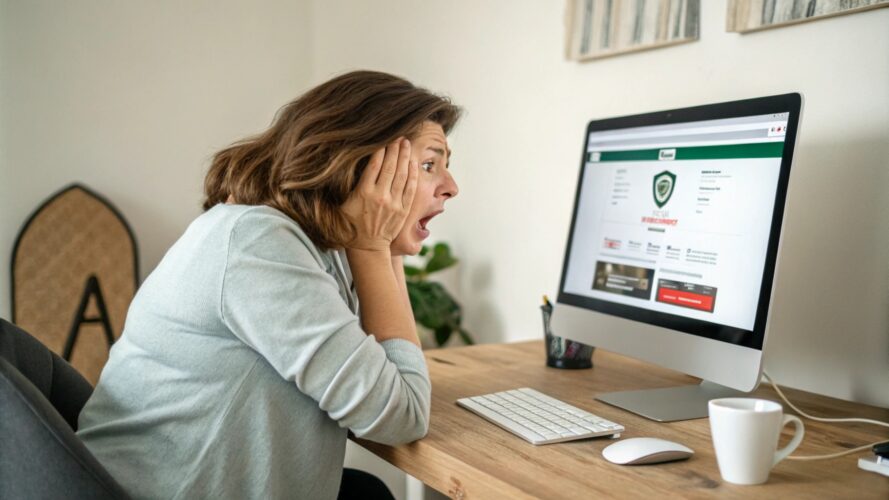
[416, 490]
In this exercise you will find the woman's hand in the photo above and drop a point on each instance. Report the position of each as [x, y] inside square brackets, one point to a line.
[380, 204]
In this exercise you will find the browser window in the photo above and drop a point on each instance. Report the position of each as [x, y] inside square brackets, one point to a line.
[676, 218]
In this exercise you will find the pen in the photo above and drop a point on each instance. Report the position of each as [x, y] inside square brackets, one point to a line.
[547, 305]
[556, 347]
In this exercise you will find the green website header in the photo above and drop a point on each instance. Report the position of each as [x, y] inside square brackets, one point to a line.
[726, 151]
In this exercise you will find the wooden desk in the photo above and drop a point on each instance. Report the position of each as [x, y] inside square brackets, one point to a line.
[464, 456]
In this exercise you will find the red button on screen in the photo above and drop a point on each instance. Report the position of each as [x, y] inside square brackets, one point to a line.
[685, 299]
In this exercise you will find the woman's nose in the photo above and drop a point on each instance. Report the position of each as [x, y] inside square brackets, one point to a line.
[448, 188]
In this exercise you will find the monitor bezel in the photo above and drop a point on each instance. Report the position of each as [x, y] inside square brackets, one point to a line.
[785, 103]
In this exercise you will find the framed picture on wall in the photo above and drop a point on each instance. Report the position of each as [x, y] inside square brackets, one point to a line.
[753, 15]
[603, 28]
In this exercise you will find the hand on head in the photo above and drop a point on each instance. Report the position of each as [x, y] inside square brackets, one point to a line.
[380, 204]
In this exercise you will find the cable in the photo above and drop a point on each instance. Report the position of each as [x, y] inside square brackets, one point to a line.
[823, 419]
[834, 455]
[820, 419]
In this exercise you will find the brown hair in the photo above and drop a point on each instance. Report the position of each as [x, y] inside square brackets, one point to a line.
[310, 159]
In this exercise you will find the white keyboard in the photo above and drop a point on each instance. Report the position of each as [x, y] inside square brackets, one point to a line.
[538, 418]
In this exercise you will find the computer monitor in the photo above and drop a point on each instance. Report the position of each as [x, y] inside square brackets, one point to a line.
[674, 241]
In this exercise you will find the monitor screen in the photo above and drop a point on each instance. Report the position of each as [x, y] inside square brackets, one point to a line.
[677, 219]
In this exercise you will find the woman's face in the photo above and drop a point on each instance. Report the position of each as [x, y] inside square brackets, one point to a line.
[435, 186]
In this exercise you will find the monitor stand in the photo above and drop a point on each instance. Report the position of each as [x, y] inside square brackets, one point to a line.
[670, 404]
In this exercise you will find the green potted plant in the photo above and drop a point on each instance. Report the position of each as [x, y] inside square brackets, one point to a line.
[433, 306]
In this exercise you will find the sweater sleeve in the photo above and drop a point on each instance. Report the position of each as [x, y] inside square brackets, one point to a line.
[277, 299]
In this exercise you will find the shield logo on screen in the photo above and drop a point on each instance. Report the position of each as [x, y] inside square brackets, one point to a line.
[664, 183]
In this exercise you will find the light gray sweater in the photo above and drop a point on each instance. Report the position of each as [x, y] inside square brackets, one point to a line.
[241, 366]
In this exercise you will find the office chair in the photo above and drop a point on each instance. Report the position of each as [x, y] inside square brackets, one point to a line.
[41, 396]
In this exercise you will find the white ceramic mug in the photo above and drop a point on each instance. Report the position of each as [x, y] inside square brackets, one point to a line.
[745, 436]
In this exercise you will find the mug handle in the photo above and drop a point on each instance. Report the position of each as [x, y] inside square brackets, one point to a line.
[798, 433]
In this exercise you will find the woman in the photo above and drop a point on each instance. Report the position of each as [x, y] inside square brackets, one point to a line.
[243, 363]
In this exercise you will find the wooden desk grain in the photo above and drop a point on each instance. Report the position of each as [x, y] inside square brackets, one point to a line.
[465, 456]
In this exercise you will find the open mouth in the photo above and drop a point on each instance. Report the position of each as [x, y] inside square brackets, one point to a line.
[421, 224]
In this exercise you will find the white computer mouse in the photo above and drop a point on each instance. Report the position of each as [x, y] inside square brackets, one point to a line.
[642, 450]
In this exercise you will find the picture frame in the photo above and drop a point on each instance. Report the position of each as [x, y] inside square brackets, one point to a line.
[745, 16]
[605, 28]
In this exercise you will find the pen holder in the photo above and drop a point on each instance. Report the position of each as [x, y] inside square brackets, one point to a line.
[564, 353]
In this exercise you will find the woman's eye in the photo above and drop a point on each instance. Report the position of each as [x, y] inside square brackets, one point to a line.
[427, 165]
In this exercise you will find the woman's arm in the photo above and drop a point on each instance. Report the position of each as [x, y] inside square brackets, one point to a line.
[279, 300]
[385, 307]
[377, 209]
[398, 268]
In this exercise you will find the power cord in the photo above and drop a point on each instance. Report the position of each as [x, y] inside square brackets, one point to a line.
[823, 419]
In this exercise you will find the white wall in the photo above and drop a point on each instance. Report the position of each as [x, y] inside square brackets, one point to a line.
[132, 98]
[517, 150]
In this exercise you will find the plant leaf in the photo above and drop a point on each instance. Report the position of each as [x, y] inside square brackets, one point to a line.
[433, 306]
[412, 270]
[467, 338]
[442, 335]
[441, 258]
[423, 305]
